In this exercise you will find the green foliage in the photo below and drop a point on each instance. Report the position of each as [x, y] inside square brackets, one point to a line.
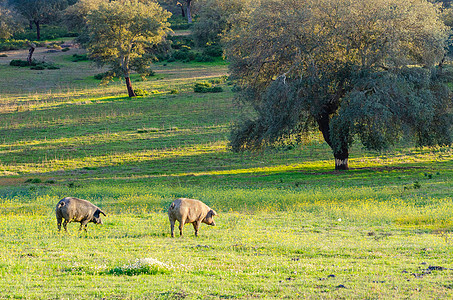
[121, 34]
[418, 102]
[184, 54]
[103, 75]
[20, 63]
[141, 92]
[11, 21]
[178, 42]
[206, 87]
[204, 58]
[215, 18]
[355, 70]
[179, 23]
[141, 267]
[75, 16]
[220, 80]
[183, 51]
[40, 12]
[6, 45]
[79, 57]
[214, 50]
[33, 180]
[35, 65]
[48, 32]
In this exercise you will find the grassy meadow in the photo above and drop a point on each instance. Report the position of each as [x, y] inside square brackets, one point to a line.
[289, 226]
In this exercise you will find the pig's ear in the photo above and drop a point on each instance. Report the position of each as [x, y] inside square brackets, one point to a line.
[99, 211]
[213, 213]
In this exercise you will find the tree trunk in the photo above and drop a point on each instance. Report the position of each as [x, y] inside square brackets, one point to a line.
[341, 159]
[130, 91]
[441, 64]
[189, 15]
[183, 13]
[341, 155]
[30, 53]
[38, 31]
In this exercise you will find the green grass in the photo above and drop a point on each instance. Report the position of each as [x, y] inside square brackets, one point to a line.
[289, 226]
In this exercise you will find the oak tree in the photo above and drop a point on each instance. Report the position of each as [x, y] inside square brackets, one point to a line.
[39, 12]
[360, 70]
[122, 33]
[215, 18]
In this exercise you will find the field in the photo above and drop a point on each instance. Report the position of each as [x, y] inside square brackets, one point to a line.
[289, 226]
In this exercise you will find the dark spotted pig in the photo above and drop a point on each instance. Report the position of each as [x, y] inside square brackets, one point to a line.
[77, 210]
[190, 211]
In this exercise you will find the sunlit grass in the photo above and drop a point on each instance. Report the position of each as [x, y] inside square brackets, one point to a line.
[239, 258]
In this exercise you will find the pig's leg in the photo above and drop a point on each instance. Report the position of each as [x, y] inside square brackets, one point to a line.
[181, 224]
[196, 225]
[65, 225]
[172, 226]
[83, 225]
[59, 223]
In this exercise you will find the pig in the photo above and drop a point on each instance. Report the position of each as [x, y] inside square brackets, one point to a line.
[190, 211]
[77, 210]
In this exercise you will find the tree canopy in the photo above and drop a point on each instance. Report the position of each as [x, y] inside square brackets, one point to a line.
[39, 11]
[122, 34]
[214, 19]
[10, 21]
[356, 70]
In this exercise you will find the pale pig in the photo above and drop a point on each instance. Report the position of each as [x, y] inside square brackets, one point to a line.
[190, 211]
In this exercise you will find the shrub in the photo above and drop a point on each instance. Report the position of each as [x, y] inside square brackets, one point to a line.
[206, 87]
[6, 45]
[54, 46]
[146, 130]
[147, 266]
[79, 57]
[213, 50]
[105, 76]
[220, 80]
[179, 42]
[179, 23]
[33, 180]
[65, 49]
[204, 58]
[184, 55]
[20, 63]
[13, 45]
[141, 92]
[101, 76]
[35, 65]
